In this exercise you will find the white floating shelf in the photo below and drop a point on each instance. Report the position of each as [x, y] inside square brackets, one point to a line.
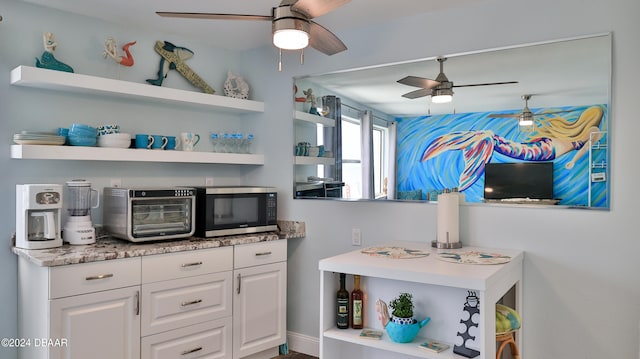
[306, 160]
[81, 153]
[304, 116]
[72, 82]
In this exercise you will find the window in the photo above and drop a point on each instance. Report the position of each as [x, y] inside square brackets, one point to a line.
[354, 168]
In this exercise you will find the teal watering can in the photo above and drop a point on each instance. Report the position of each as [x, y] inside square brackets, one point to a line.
[399, 333]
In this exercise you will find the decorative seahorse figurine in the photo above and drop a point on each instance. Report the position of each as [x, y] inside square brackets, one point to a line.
[111, 50]
[47, 60]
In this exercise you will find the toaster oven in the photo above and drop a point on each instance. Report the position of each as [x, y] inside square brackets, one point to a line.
[149, 214]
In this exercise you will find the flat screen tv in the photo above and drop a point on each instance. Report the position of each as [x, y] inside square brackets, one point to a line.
[532, 180]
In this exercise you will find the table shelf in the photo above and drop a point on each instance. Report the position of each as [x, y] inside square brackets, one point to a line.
[439, 288]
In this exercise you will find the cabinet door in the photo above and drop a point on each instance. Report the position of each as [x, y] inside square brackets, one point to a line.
[259, 308]
[102, 325]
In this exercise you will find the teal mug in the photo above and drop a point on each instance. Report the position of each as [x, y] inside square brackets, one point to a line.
[172, 143]
[144, 141]
[159, 142]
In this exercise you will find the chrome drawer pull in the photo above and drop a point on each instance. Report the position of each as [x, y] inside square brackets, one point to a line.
[263, 253]
[184, 304]
[191, 351]
[100, 276]
[185, 265]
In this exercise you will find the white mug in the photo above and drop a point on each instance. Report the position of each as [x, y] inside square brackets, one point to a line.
[189, 140]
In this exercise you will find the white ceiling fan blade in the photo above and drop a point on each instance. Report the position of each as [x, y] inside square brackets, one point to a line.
[488, 84]
[324, 40]
[551, 113]
[212, 16]
[417, 93]
[315, 8]
[505, 115]
[416, 81]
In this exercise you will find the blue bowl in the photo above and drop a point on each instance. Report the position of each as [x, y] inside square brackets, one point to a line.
[83, 130]
[82, 140]
[65, 133]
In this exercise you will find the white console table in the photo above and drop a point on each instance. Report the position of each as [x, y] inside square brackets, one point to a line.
[439, 289]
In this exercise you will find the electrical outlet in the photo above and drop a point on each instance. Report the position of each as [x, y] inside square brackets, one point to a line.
[208, 181]
[356, 237]
[116, 182]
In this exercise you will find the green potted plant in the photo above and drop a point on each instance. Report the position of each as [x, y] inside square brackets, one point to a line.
[402, 309]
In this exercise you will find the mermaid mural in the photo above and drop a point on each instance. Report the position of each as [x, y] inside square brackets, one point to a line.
[437, 152]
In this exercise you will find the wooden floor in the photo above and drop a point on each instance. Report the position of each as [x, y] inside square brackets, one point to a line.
[294, 355]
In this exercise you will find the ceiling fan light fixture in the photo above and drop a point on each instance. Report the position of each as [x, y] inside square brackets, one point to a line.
[442, 96]
[290, 29]
[290, 39]
[526, 120]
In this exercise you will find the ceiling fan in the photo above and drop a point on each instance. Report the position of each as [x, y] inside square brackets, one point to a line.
[525, 118]
[440, 89]
[291, 25]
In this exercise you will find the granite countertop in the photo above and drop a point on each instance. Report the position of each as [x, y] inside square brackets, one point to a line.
[108, 248]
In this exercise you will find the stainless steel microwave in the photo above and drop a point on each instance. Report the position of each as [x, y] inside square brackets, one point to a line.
[223, 211]
[149, 214]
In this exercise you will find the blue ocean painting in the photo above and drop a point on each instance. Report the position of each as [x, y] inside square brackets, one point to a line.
[446, 151]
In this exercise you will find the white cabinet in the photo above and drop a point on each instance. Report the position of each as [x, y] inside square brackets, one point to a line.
[439, 289]
[186, 304]
[171, 305]
[259, 303]
[72, 82]
[90, 310]
[103, 325]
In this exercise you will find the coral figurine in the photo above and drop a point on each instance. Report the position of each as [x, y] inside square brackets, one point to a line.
[111, 50]
[47, 60]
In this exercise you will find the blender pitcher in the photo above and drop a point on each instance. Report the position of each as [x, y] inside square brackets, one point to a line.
[80, 198]
[79, 229]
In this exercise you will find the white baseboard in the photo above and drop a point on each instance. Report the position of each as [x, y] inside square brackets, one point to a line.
[303, 344]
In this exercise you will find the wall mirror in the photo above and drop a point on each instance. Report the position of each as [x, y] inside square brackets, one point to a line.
[526, 125]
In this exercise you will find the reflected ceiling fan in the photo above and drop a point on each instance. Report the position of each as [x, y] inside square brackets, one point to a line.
[291, 25]
[440, 89]
[525, 118]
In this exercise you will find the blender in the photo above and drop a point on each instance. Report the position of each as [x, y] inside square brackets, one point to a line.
[78, 228]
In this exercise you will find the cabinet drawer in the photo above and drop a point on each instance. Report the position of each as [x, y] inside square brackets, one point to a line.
[249, 255]
[177, 303]
[211, 340]
[186, 264]
[84, 278]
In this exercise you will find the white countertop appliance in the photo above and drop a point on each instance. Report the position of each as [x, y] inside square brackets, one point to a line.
[38, 208]
[149, 214]
[80, 198]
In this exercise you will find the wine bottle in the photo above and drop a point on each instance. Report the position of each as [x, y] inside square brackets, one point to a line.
[357, 307]
[342, 307]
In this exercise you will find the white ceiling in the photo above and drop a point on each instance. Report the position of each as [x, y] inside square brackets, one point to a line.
[552, 79]
[564, 73]
[237, 34]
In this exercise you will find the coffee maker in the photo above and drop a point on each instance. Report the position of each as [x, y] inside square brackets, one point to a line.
[78, 228]
[38, 210]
